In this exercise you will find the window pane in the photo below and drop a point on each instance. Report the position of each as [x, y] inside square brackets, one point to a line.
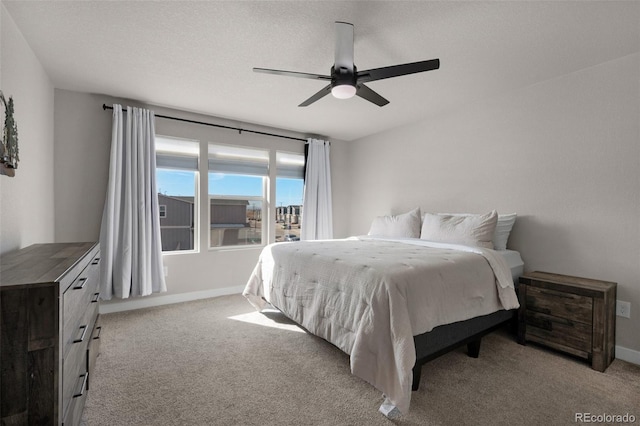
[289, 193]
[237, 178]
[221, 184]
[174, 153]
[235, 209]
[176, 197]
[238, 160]
[177, 174]
[290, 165]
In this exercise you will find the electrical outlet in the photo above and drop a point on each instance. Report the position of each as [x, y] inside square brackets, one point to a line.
[623, 309]
[166, 271]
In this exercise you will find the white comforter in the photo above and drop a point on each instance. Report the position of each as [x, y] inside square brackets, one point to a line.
[369, 297]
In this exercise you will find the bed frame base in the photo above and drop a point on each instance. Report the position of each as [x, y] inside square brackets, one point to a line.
[447, 337]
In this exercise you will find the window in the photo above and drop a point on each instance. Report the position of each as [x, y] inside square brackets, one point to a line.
[289, 195]
[177, 180]
[238, 180]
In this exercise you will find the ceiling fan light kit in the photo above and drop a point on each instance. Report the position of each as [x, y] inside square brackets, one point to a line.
[344, 91]
[345, 80]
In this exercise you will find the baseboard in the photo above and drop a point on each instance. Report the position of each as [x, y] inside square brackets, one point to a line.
[628, 355]
[159, 300]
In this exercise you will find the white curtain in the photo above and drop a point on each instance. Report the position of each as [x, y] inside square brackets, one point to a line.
[317, 221]
[131, 250]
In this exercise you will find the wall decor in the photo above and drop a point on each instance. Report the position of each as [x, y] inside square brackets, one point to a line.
[9, 148]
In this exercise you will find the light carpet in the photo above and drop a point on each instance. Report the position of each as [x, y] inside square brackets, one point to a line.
[219, 362]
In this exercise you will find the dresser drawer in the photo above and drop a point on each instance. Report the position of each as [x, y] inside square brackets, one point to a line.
[73, 414]
[75, 359]
[78, 298]
[73, 367]
[94, 349]
[560, 304]
[71, 275]
[561, 331]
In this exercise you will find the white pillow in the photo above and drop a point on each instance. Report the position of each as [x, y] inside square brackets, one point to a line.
[503, 229]
[473, 230]
[405, 225]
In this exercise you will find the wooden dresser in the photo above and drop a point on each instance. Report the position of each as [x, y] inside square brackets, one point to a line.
[572, 314]
[50, 332]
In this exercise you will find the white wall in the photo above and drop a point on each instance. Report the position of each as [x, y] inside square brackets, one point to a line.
[564, 154]
[26, 200]
[83, 138]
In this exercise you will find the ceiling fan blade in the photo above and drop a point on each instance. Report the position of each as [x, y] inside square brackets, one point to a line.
[293, 74]
[344, 46]
[397, 70]
[368, 94]
[319, 95]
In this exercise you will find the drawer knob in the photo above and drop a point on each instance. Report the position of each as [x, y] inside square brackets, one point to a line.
[81, 283]
[99, 330]
[84, 377]
[95, 261]
[96, 296]
[84, 333]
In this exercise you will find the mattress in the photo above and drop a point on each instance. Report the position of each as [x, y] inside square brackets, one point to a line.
[514, 260]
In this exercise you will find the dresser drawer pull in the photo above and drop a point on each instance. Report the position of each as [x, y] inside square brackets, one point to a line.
[561, 295]
[85, 376]
[81, 283]
[99, 330]
[96, 296]
[84, 333]
[95, 261]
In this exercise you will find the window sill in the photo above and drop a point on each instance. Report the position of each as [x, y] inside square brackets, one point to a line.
[237, 248]
[179, 252]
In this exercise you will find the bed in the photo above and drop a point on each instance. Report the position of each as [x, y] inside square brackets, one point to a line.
[391, 303]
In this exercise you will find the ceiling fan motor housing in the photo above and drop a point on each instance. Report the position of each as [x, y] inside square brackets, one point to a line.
[343, 76]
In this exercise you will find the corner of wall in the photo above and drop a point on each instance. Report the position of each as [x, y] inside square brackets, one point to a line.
[26, 214]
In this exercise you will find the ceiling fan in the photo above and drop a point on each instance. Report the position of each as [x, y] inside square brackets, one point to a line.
[345, 80]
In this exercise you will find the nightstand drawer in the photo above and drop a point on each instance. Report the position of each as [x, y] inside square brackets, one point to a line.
[562, 331]
[560, 304]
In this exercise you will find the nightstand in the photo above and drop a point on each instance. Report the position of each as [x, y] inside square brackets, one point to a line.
[571, 314]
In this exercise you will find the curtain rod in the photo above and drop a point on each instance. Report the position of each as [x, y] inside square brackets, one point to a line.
[106, 107]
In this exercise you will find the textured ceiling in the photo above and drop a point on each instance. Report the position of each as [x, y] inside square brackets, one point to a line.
[198, 56]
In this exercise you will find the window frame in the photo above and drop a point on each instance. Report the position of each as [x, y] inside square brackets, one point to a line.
[202, 231]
